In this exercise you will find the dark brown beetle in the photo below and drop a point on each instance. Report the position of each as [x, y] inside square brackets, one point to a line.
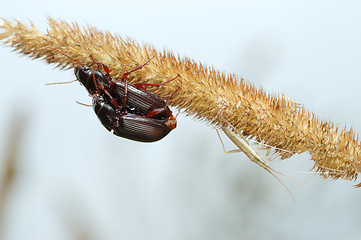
[126, 110]
[137, 100]
[129, 125]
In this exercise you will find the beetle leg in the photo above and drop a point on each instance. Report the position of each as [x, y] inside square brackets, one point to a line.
[101, 86]
[126, 73]
[124, 78]
[155, 112]
[102, 65]
[113, 101]
[140, 85]
[74, 60]
[159, 111]
[125, 99]
[171, 96]
[117, 118]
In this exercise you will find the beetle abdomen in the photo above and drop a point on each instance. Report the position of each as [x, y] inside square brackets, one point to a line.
[131, 126]
[142, 129]
[142, 100]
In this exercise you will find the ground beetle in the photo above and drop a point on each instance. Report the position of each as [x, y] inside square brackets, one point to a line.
[127, 110]
[129, 125]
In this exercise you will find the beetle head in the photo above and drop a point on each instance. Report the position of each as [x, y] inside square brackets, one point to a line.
[93, 80]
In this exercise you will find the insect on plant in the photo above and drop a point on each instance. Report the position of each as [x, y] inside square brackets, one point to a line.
[126, 110]
[269, 118]
[243, 146]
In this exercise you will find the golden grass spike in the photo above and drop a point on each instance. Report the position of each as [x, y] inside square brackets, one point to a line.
[270, 119]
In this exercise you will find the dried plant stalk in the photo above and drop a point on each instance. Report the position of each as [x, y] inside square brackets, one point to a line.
[206, 94]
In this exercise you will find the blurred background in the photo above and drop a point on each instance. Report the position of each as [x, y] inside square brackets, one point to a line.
[63, 176]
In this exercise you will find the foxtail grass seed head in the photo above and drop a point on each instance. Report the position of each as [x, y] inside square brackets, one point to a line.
[206, 94]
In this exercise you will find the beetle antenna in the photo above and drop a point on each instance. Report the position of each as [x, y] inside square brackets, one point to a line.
[86, 105]
[56, 83]
[68, 57]
[171, 96]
